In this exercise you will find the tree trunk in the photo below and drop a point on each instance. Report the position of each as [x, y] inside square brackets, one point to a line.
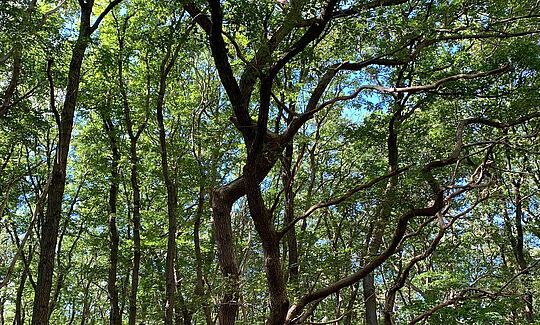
[49, 230]
[19, 317]
[292, 244]
[115, 317]
[199, 285]
[370, 299]
[134, 160]
[86, 304]
[383, 216]
[221, 203]
[350, 305]
[279, 302]
[517, 240]
[136, 234]
[170, 271]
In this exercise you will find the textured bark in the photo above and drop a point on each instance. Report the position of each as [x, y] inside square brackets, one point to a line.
[221, 203]
[50, 225]
[279, 302]
[49, 230]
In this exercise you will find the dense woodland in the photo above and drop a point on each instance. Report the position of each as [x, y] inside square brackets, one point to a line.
[266, 162]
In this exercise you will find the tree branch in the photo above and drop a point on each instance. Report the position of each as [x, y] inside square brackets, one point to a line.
[338, 200]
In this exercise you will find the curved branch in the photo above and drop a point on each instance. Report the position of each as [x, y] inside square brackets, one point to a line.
[340, 199]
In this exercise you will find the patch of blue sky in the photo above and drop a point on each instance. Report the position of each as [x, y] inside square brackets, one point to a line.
[70, 30]
[358, 114]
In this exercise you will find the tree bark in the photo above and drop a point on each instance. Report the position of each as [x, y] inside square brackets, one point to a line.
[383, 216]
[279, 302]
[199, 285]
[115, 317]
[221, 201]
[50, 225]
[170, 271]
[288, 192]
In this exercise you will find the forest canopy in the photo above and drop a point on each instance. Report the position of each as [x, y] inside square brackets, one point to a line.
[269, 162]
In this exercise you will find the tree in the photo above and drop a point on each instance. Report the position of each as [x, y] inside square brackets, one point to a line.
[276, 162]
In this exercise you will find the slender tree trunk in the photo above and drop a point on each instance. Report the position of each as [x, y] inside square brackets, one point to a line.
[183, 315]
[370, 299]
[2, 302]
[50, 225]
[292, 244]
[49, 230]
[136, 235]
[350, 305]
[199, 285]
[170, 271]
[517, 240]
[19, 317]
[10, 91]
[18, 300]
[134, 160]
[115, 316]
[383, 216]
[86, 304]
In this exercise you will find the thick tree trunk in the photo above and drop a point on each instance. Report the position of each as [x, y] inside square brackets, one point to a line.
[221, 203]
[279, 302]
[49, 230]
